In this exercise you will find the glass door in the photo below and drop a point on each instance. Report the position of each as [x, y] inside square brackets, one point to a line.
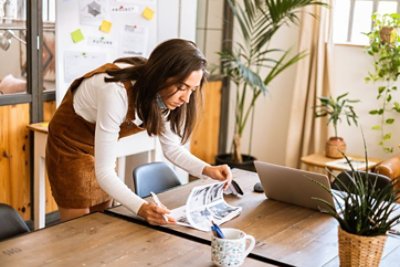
[13, 32]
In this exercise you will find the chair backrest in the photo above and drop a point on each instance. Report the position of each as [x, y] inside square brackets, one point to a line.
[11, 224]
[389, 167]
[154, 177]
[381, 180]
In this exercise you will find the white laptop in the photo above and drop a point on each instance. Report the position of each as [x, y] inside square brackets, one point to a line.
[294, 186]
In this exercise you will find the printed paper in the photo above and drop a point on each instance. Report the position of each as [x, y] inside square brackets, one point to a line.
[205, 203]
[134, 41]
[92, 12]
[76, 63]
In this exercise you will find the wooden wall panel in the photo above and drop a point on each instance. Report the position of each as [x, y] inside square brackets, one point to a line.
[14, 159]
[204, 141]
[5, 186]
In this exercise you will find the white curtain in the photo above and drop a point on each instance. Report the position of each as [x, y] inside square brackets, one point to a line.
[306, 134]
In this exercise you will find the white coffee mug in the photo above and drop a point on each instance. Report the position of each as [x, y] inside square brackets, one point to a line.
[231, 250]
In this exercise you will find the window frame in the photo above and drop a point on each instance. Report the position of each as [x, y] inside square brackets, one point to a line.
[34, 41]
[375, 4]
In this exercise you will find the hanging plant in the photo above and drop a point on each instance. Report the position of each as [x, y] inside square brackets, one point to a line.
[384, 46]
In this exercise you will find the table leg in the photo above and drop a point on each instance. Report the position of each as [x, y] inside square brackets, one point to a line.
[39, 196]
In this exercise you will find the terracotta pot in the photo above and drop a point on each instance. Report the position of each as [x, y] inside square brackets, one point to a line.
[334, 147]
[360, 251]
[385, 34]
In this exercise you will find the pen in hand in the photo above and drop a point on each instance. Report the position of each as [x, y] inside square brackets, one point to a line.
[158, 203]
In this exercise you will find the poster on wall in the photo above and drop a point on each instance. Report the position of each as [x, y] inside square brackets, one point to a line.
[133, 41]
[78, 63]
[92, 12]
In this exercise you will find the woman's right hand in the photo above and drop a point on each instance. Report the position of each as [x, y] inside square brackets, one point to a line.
[154, 214]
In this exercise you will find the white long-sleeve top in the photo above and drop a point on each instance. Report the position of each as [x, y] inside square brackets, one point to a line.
[106, 104]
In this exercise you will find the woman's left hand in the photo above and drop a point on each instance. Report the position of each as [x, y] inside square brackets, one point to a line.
[220, 173]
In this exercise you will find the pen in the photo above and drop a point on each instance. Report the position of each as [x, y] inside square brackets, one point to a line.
[215, 228]
[394, 232]
[158, 203]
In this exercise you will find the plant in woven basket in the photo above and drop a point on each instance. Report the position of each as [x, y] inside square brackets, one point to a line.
[365, 214]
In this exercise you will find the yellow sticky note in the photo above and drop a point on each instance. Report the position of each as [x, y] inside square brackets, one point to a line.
[77, 36]
[148, 13]
[105, 26]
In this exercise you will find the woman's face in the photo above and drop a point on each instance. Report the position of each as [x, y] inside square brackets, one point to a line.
[176, 95]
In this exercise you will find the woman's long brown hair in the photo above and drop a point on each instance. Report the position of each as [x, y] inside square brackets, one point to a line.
[173, 60]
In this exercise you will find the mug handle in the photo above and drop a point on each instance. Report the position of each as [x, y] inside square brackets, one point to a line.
[252, 244]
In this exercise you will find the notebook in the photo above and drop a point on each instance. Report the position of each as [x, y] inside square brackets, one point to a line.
[294, 186]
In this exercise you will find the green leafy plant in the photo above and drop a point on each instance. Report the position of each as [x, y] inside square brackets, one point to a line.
[335, 109]
[257, 21]
[384, 46]
[365, 209]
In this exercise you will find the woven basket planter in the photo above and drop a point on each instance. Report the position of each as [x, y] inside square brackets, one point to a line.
[356, 250]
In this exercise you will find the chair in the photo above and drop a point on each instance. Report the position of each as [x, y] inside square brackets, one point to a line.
[390, 168]
[154, 177]
[11, 224]
[381, 180]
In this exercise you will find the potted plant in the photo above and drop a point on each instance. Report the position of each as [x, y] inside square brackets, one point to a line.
[384, 47]
[335, 109]
[257, 22]
[366, 215]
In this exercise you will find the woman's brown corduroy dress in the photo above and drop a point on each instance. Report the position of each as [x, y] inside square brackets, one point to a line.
[70, 151]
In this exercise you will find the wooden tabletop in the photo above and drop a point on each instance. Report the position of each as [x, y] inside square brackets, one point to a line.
[39, 127]
[284, 233]
[319, 160]
[103, 240]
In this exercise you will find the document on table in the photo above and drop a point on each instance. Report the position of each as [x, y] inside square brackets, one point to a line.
[205, 204]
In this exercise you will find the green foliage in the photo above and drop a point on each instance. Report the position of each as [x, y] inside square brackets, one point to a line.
[384, 46]
[335, 109]
[366, 210]
[257, 21]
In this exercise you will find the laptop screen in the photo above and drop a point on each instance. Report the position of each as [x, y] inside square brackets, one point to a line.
[294, 186]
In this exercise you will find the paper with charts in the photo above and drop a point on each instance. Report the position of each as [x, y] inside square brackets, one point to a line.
[205, 203]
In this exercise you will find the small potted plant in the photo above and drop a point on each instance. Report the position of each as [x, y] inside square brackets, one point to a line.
[335, 109]
[367, 214]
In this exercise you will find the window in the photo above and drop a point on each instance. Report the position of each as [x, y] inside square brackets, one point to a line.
[21, 29]
[352, 18]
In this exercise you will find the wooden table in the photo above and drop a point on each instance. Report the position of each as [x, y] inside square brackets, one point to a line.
[129, 145]
[285, 233]
[102, 240]
[318, 163]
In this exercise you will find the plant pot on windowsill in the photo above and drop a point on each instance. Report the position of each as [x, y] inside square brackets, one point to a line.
[335, 147]
[247, 164]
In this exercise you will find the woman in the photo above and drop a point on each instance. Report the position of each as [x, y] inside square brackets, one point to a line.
[160, 95]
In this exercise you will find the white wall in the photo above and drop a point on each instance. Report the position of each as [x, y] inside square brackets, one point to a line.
[272, 111]
[350, 66]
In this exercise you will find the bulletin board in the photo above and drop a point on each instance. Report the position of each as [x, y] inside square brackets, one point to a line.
[90, 33]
